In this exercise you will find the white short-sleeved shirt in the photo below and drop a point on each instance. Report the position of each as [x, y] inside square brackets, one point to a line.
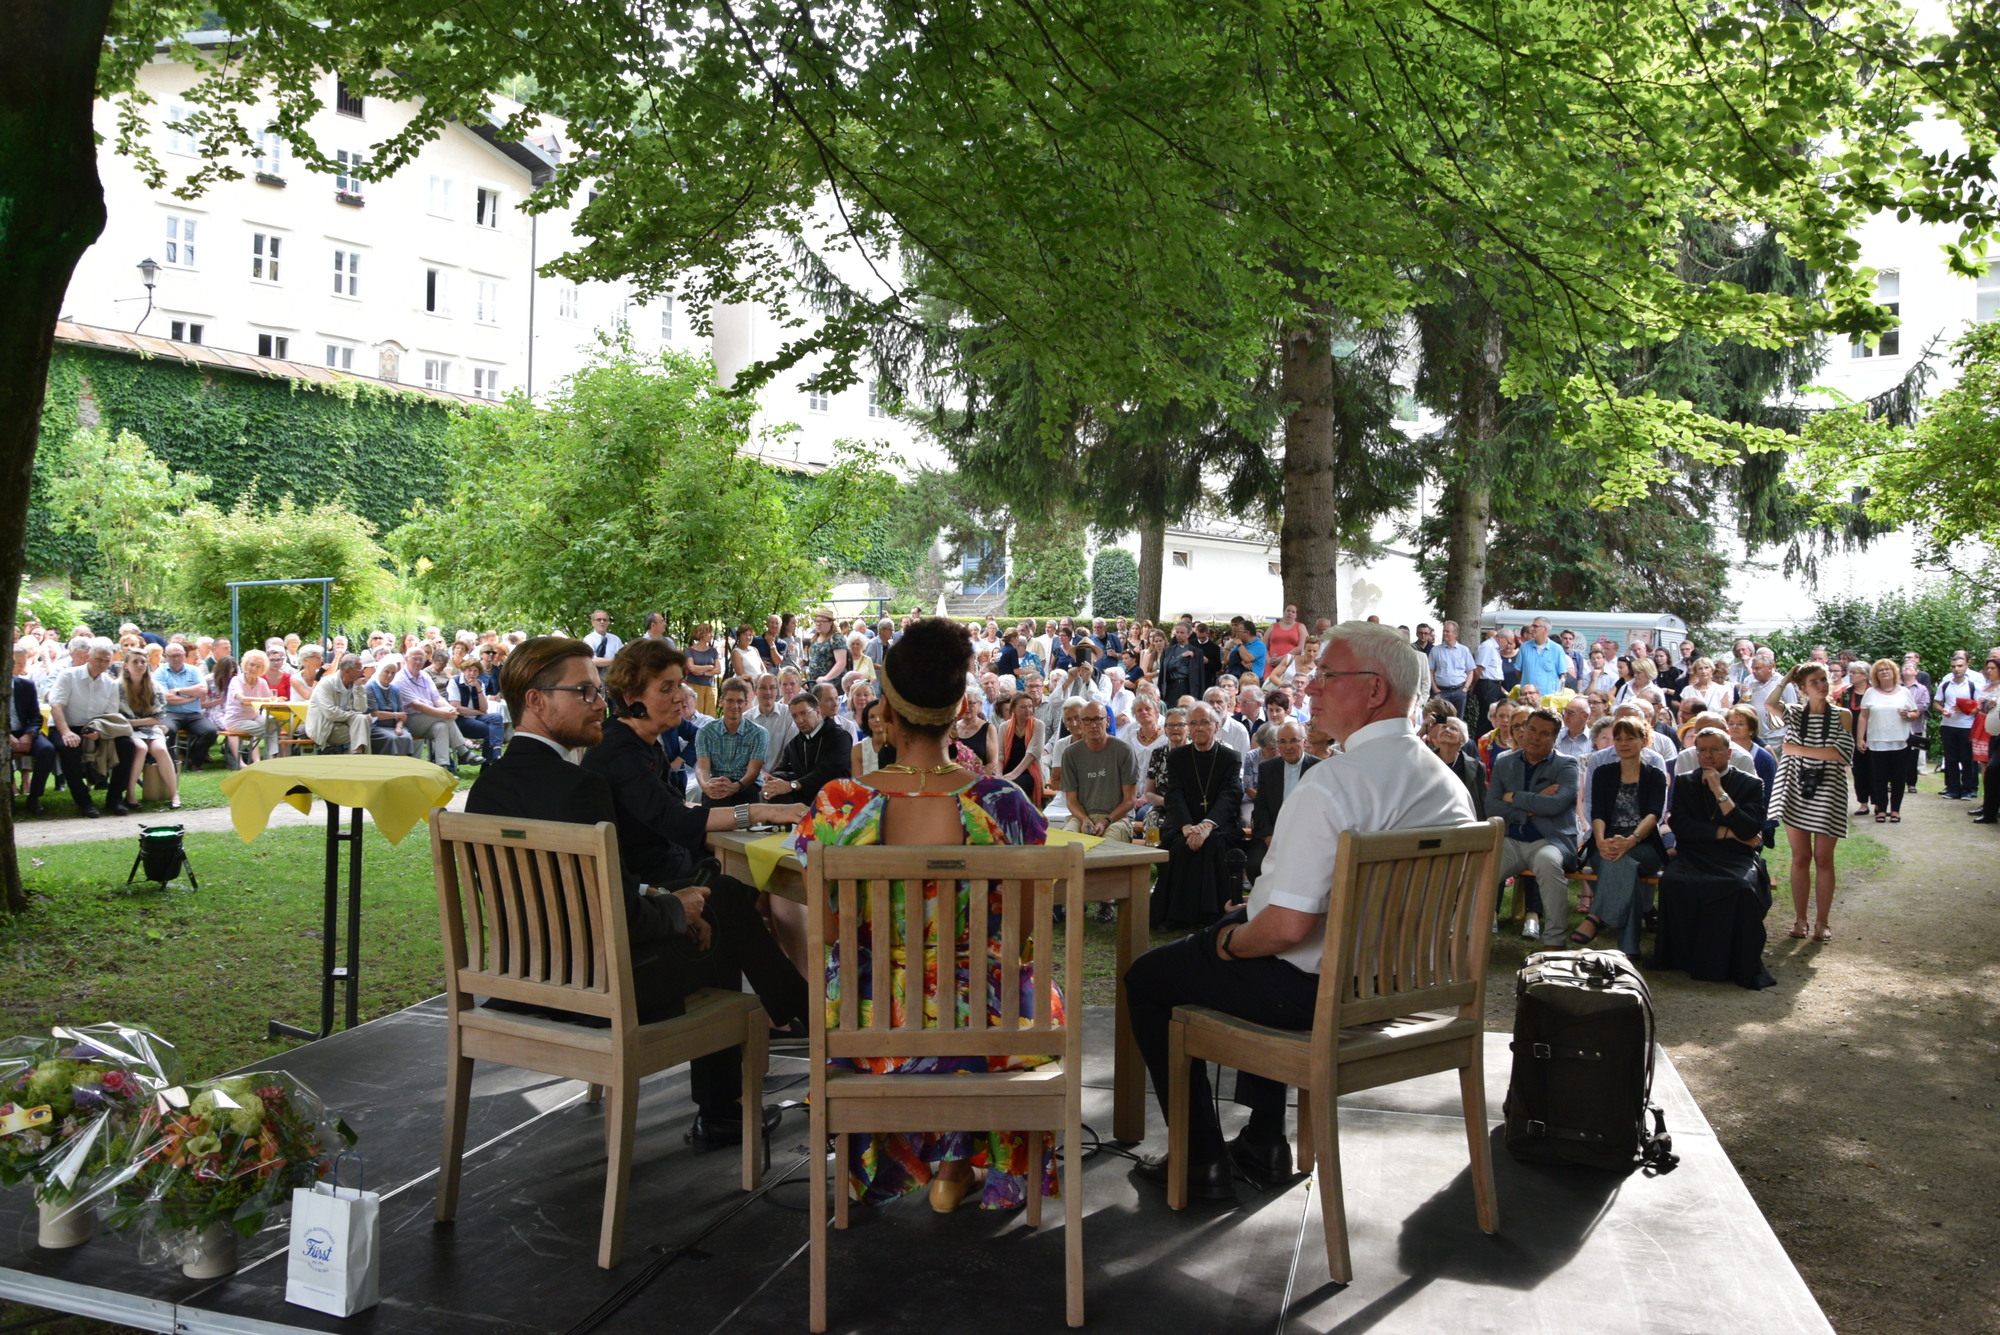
[1384, 779]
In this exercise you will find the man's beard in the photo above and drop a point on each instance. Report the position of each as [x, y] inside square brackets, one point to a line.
[585, 734]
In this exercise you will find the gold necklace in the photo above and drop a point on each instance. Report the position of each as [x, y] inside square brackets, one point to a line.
[946, 768]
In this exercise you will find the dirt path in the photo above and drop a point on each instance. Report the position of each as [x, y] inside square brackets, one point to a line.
[1860, 1097]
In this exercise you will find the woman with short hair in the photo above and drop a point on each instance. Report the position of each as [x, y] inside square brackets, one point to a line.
[1882, 734]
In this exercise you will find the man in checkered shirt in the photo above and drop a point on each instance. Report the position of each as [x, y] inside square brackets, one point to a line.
[729, 751]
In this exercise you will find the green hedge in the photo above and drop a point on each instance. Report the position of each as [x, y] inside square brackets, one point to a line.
[374, 449]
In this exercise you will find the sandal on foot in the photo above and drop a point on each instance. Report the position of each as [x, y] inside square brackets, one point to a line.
[1881, 816]
[1823, 934]
[1800, 930]
[1577, 938]
[1895, 818]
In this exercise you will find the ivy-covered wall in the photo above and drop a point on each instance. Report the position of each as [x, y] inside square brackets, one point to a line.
[374, 449]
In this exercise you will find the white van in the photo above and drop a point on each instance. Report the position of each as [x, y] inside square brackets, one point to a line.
[1657, 629]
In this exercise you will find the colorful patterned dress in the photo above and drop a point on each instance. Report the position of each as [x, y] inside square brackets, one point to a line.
[884, 1166]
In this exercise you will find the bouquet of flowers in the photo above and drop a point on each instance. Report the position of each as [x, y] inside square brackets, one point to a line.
[71, 1104]
[227, 1151]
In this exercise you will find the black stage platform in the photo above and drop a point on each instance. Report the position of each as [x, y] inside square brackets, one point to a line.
[1577, 1250]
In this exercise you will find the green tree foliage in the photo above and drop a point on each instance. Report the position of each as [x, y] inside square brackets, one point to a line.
[1051, 576]
[1114, 583]
[326, 541]
[1934, 620]
[129, 502]
[631, 488]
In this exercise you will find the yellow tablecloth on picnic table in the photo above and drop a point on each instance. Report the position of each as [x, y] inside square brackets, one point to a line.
[398, 791]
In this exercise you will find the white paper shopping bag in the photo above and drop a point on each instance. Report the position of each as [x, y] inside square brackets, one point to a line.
[336, 1260]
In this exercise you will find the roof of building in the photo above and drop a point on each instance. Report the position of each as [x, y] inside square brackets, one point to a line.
[201, 354]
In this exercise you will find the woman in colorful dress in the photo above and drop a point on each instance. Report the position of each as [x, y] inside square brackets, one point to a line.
[925, 798]
[1811, 791]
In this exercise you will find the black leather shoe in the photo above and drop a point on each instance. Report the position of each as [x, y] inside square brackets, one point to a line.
[117, 807]
[1986, 820]
[1206, 1181]
[726, 1133]
[88, 811]
[1267, 1163]
[34, 806]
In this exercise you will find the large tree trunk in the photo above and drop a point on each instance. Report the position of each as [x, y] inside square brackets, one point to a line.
[51, 209]
[1152, 559]
[1308, 541]
[1469, 494]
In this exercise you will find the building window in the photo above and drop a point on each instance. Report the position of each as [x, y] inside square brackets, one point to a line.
[441, 196]
[569, 302]
[437, 373]
[486, 207]
[185, 331]
[1989, 291]
[486, 382]
[1888, 293]
[875, 405]
[1182, 560]
[180, 139]
[180, 241]
[347, 172]
[340, 356]
[818, 401]
[271, 155]
[273, 345]
[434, 292]
[345, 102]
[346, 273]
[667, 318]
[486, 304]
[264, 256]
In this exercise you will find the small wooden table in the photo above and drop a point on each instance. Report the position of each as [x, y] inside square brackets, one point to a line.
[1120, 874]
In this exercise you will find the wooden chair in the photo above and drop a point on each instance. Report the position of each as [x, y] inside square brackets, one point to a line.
[547, 927]
[1402, 993]
[844, 887]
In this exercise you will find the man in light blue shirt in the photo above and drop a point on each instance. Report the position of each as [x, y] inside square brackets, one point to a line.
[1543, 662]
[184, 689]
[1452, 666]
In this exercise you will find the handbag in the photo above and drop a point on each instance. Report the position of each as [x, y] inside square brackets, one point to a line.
[335, 1264]
[1982, 740]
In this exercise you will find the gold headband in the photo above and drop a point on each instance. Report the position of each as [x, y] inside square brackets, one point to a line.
[931, 716]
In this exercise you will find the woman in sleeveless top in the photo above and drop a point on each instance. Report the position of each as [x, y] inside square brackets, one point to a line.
[1021, 743]
[704, 658]
[1810, 795]
[927, 799]
[975, 735]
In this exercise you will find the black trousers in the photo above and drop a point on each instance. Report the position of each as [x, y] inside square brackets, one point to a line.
[201, 731]
[1990, 807]
[1455, 695]
[1960, 775]
[1188, 973]
[1887, 772]
[1487, 694]
[742, 948]
[78, 781]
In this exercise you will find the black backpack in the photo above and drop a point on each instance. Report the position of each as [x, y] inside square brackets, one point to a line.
[1582, 1084]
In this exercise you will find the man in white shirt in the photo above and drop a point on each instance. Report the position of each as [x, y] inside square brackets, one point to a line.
[1490, 682]
[1118, 700]
[773, 717]
[604, 646]
[1229, 732]
[1264, 965]
[1574, 739]
[1763, 680]
[77, 696]
[1961, 779]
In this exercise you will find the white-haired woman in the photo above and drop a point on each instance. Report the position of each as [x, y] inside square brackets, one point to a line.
[239, 716]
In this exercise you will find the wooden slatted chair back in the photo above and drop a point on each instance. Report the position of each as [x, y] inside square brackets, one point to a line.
[1408, 924]
[849, 890]
[533, 911]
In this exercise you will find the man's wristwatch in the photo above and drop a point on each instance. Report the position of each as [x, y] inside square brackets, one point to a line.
[743, 815]
[1222, 941]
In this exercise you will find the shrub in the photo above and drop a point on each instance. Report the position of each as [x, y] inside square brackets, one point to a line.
[1050, 576]
[1114, 583]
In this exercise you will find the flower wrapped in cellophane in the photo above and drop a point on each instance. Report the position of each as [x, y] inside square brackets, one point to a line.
[72, 1104]
[227, 1151]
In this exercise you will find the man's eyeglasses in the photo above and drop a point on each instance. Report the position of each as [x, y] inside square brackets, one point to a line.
[588, 693]
[1322, 675]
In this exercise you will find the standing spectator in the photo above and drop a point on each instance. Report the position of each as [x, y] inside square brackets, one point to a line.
[1882, 733]
[1920, 696]
[1957, 704]
[1100, 779]
[604, 646]
[744, 660]
[26, 738]
[337, 715]
[1246, 653]
[826, 655]
[729, 750]
[1762, 685]
[1597, 676]
[1543, 662]
[1812, 789]
[1284, 637]
[1989, 706]
[1453, 668]
[185, 692]
[772, 646]
[1489, 680]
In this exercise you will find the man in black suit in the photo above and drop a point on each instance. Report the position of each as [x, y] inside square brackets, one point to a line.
[682, 940]
[820, 753]
[1276, 778]
[24, 729]
[1203, 822]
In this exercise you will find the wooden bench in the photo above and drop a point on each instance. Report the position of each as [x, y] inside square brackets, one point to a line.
[1519, 910]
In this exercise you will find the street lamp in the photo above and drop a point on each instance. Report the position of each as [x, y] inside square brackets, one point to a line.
[149, 275]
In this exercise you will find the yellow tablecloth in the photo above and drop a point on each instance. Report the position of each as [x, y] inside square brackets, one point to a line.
[1089, 841]
[765, 854]
[398, 791]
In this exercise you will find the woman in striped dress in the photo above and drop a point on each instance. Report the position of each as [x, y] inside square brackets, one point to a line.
[1810, 796]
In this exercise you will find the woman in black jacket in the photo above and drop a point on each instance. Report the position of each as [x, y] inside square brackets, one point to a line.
[1627, 800]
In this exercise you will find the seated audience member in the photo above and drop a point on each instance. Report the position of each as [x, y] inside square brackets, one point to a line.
[729, 751]
[1628, 798]
[1022, 742]
[26, 738]
[873, 751]
[1229, 732]
[1448, 738]
[1743, 734]
[1687, 762]
[1204, 797]
[1100, 778]
[337, 715]
[1501, 738]
[819, 751]
[1574, 739]
[478, 717]
[185, 693]
[1715, 891]
[140, 701]
[389, 723]
[1173, 733]
[430, 719]
[241, 716]
[78, 697]
[683, 939]
[1533, 788]
[770, 713]
[1263, 963]
[1277, 778]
